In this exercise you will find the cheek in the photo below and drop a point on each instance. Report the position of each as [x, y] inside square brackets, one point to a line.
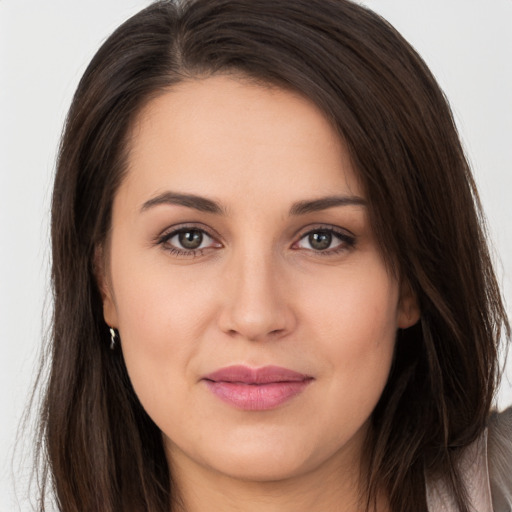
[158, 303]
[160, 318]
[354, 319]
[356, 309]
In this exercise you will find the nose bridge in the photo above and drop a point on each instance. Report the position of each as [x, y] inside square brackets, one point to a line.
[256, 306]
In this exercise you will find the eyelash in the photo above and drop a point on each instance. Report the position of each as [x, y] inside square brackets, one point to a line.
[176, 251]
[347, 241]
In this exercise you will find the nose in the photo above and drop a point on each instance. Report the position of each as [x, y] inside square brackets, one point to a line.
[257, 304]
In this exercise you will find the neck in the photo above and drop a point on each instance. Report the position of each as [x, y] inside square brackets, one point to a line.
[330, 488]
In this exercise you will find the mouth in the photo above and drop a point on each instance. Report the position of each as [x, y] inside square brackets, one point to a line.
[256, 389]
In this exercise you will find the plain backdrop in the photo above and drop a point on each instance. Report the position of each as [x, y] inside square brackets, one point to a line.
[44, 49]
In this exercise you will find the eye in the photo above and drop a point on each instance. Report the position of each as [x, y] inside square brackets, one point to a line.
[188, 241]
[326, 240]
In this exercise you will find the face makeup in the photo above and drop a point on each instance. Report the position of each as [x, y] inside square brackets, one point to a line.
[257, 318]
[256, 389]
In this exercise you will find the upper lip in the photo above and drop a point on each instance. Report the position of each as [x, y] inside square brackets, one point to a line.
[263, 375]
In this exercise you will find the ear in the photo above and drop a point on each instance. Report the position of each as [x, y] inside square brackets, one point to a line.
[104, 282]
[408, 308]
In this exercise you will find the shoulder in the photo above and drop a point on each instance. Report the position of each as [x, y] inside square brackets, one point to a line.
[486, 469]
[472, 466]
[499, 459]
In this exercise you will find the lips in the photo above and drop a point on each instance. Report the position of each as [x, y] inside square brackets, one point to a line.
[256, 389]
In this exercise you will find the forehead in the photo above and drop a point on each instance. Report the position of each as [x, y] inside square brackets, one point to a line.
[221, 135]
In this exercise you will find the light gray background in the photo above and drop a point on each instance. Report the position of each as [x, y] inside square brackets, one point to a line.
[44, 48]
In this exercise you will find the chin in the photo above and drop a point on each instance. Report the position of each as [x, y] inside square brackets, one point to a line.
[263, 467]
[255, 458]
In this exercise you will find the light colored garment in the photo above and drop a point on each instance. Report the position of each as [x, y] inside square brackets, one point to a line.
[499, 451]
[487, 470]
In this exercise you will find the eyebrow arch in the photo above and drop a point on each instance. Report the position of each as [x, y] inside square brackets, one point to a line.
[189, 200]
[323, 203]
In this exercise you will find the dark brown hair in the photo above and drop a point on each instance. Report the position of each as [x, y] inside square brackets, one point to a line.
[100, 449]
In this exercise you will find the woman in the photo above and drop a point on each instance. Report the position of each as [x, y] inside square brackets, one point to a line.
[272, 286]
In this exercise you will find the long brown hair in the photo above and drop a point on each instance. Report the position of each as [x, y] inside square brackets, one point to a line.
[101, 451]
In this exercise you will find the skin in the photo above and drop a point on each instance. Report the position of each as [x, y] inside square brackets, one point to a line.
[257, 293]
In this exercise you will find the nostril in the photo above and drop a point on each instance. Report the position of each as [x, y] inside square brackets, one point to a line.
[253, 316]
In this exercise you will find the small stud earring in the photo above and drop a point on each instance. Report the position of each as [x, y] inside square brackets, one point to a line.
[112, 338]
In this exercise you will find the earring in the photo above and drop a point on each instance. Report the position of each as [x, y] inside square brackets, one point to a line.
[113, 336]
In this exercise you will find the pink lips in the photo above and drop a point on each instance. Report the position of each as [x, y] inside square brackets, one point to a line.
[257, 389]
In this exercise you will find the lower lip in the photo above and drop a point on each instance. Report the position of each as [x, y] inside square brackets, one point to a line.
[256, 397]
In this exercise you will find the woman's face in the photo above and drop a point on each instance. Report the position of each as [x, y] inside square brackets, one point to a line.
[256, 315]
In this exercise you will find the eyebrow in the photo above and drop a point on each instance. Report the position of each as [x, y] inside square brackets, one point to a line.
[189, 200]
[315, 205]
[204, 204]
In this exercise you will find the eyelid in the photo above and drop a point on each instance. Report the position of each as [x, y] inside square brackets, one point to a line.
[343, 232]
[347, 238]
[176, 228]
[163, 238]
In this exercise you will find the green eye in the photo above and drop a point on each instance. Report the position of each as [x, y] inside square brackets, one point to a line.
[320, 240]
[326, 241]
[190, 239]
